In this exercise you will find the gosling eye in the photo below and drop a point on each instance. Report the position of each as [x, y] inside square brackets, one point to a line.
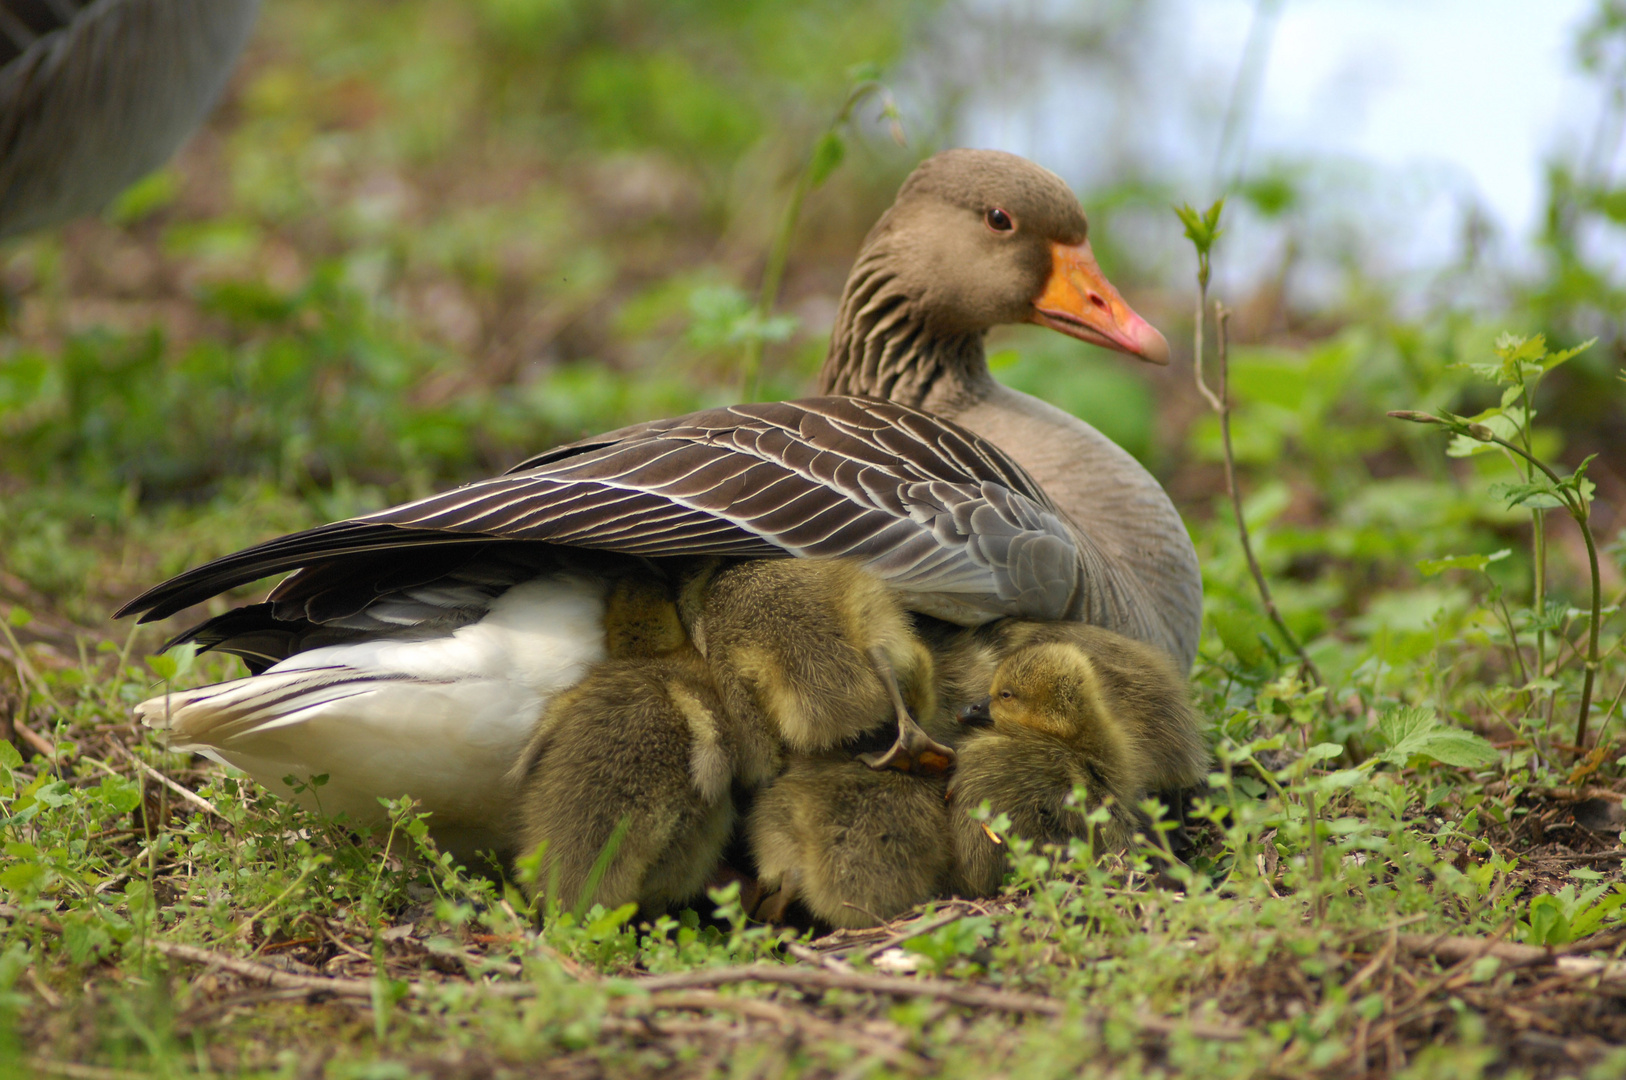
[1006, 695]
[998, 220]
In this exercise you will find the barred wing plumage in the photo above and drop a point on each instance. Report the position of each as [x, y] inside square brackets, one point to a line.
[945, 517]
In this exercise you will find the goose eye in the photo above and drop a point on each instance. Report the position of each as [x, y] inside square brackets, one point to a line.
[998, 220]
[1006, 695]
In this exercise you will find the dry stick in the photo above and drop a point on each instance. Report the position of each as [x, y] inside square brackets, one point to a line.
[805, 978]
[800, 1021]
[824, 979]
[1385, 958]
[1417, 1008]
[813, 956]
[896, 986]
[270, 976]
[908, 933]
[1481, 948]
[75, 1071]
[40, 743]
[1522, 956]
[1384, 954]
[180, 789]
[49, 996]
[1222, 405]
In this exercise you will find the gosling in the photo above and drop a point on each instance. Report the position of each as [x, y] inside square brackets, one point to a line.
[817, 651]
[641, 617]
[1141, 685]
[855, 845]
[638, 757]
[1067, 707]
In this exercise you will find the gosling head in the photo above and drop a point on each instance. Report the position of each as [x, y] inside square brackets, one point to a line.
[1053, 689]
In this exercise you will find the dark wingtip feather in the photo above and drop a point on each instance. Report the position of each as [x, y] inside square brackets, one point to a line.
[275, 557]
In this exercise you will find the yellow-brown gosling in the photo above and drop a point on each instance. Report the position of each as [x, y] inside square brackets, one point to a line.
[643, 751]
[818, 651]
[855, 845]
[1143, 686]
[1069, 706]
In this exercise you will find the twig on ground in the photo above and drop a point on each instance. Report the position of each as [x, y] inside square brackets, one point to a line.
[579, 972]
[829, 961]
[178, 788]
[1461, 950]
[806, 1025]
[270, 976]
[49, 996]
[937, 989]
[1469, 952]
[1384, 955]
[821, 979]
[806, 978]
[339, 942]
[40, 743]
[75, 1071]
[919, 928]
[1466, 951]
[880, 923]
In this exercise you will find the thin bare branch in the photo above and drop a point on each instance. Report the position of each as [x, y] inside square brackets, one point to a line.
[1222, 316]
[180, 789]
[966, 994]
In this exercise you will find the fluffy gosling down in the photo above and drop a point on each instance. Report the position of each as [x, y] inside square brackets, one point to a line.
[625, 786]
[1070, 706]
[855, 845]
[820, 652]
[791, 656]
[1062, 705]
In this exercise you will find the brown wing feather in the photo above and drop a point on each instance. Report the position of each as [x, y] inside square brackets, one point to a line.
[941, 514]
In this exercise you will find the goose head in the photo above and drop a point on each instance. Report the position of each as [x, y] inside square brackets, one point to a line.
[976, 239]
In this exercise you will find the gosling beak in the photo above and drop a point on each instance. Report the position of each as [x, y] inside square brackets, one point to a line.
[1080, 302]
[976, 714]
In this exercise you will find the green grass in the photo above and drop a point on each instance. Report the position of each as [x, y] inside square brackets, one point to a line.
[427, 237]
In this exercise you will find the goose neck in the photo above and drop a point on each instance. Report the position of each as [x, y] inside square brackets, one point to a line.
[885, 346]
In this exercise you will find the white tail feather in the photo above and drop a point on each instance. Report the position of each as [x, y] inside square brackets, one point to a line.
[441, 719]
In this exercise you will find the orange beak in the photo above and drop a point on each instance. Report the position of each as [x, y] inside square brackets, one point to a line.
[1080, 302]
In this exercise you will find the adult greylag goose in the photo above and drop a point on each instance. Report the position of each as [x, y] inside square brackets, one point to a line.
[94, 94]
[413, 649]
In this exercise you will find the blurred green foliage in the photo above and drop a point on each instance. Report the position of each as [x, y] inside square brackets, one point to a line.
[321, 356]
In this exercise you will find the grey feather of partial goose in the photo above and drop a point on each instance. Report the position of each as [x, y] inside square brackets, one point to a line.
[95, 104]
[941, 515]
